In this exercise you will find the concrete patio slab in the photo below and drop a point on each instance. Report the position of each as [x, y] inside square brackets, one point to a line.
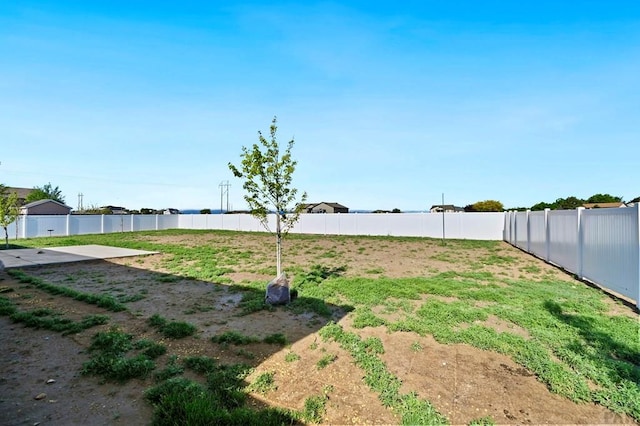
[19, 258]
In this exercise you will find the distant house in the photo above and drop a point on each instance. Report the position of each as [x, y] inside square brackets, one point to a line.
[171, 211]
[603, 205]
[45, 207]
[22, 193]
[115, 209]
[447, 208]
[325, 208]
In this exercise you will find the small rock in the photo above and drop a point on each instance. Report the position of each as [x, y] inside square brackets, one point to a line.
[50, 381]
[40, 396]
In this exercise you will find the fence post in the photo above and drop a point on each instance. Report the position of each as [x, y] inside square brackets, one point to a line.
[528, 231]
[547, 235]
[580, 243]
[24, 226]
[68, 225]
[515, 229]
[102, 224]
[637, 256]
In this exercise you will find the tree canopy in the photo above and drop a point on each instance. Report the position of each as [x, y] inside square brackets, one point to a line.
[487, 206]
[573, 202]
[46, 192]
[268, 173]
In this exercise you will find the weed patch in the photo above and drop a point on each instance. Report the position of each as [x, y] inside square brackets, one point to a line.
[172, 329]
[412, 409]
[103, 301]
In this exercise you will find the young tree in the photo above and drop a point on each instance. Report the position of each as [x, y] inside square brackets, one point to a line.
[9, 210]
[267, 174]
[46, 192]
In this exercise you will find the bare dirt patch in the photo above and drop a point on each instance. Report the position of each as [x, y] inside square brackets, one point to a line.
[464, 383]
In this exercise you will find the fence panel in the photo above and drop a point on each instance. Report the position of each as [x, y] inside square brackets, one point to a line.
[563, 239]
[521, 230]
[144, 222]
[44, 225]
[310, 224]
[85, 224]
[169, 221]
[116, 223]
[611, 247]
[368, 224]
[538, 234]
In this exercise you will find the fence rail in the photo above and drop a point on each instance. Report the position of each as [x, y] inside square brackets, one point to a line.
[598, 245]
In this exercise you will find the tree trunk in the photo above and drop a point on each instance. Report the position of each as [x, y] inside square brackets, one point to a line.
[278, 246]
[6, 237]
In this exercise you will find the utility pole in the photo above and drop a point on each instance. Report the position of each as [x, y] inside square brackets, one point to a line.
[80, 206]
[224, 189]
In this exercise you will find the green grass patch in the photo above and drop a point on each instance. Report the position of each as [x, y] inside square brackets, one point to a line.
[276, 339]
[172, 329]
[326, 360]
[109, 358]
[49, 319]
[104, 301]
[234, 338]
[150, 348]
[314, 408]
[291, 357]
[264, 383]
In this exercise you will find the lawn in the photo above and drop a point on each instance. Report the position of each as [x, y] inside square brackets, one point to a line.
[385, 330]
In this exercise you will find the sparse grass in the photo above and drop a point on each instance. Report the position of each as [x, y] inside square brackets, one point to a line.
[234, 338]
[49, 319]
[276, 339]
[314, 408]
[576, 347]
[172, 329]
[482, 421]
[412, 409]
[326, 360]
[109, 358]
[172, 369]
[291, 357]
[263, 383]
[150, 348]
[103, 301]
[201, 364]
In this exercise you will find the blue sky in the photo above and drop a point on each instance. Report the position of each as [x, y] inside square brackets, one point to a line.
[391, 104]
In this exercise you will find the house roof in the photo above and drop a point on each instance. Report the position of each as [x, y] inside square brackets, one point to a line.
[603, 205]
[447, 207]
[22, 192]
[39, 202]
[335, 205]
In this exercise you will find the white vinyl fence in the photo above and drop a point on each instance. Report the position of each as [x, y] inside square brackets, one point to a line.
[599, 245]
[473, 226]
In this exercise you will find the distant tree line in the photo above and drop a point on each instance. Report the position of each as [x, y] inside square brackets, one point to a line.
[485, 206]
[573, 202]
[568, 203]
